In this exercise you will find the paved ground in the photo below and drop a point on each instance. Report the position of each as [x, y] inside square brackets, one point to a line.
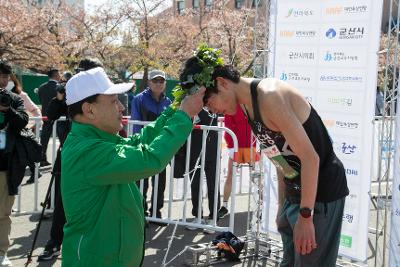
[157, 238]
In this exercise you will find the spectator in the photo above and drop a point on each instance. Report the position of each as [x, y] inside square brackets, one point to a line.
[13, 118]
[47, 91]
[241, 128]
[131, 94]
[203, 118]
[31, 109]
[103, 206]
[147, 106]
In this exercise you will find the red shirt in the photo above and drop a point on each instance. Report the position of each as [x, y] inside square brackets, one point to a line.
[239, 125]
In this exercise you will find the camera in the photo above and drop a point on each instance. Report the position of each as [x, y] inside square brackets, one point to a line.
[5, 99]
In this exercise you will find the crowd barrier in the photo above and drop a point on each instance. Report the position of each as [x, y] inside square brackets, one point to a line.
[175, 195]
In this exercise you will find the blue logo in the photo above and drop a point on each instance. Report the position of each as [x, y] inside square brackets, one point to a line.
[351, 172]
[328, 56]
[331, 33]
[283, 76]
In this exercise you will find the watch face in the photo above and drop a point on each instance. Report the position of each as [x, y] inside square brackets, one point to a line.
[305, 212]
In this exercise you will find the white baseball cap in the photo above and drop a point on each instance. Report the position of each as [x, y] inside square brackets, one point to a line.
[92, 82]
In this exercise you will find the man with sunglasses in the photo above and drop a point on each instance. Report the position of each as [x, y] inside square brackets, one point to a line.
[147, 106]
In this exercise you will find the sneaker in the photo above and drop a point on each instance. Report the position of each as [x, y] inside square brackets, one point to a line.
[31, 180]
[5, 262]
[44, 163]
[158, 216]
[222, 212]
[49, 253]
[193, 220]
[206, 230]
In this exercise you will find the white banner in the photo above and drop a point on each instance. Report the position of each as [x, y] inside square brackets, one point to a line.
[394, 259]
[328, 51]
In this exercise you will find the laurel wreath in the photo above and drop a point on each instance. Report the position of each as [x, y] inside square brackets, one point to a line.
[208, 59]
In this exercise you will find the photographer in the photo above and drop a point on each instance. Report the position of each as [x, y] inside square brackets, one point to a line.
[13, 119]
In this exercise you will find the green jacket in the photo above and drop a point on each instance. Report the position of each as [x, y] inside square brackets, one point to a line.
[103, 206]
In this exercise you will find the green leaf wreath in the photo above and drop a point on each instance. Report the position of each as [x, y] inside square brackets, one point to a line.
[208, 58]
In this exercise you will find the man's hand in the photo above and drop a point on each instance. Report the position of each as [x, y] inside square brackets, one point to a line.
[304, 236]
[3, 108]
[192, 104]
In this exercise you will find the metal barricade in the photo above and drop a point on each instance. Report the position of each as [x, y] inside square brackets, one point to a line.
[174, 200]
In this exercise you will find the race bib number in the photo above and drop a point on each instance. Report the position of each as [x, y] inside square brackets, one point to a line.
[2, 139]
[280, 162]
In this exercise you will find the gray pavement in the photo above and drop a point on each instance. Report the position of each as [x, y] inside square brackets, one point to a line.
[157, 238]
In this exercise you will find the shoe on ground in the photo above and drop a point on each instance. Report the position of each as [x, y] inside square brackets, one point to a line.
[49, 253]
[44, 163]
[206, 230]
[5, 262]
[158, 216]
[193, 220]
[31, 179]
[222, 212]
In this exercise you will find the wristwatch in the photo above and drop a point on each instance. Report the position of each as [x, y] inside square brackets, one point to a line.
[306, 212]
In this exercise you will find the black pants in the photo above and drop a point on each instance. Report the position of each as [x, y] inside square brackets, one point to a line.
[160, 192]
[47, 129]
[209, 169]
[57, 226]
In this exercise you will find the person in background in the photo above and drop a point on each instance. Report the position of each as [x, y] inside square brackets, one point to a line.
[246, 151]
[46, 93]
[13, 118]
[203, 118]
[147, 106]
[32, 110]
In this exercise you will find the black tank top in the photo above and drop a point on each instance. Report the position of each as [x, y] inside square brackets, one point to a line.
[332, 184]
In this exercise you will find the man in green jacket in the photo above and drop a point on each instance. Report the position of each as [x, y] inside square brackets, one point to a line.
[103, 206]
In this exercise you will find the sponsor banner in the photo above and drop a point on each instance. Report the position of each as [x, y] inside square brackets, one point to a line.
[299, 77]
[297, 34]
[343, 57]
[345, 79]
[355, 33]
[299, 12]
[345, 10]
[348, 102]
[347, 148]
[394, 253]
[340, 124]
[300, 55]
[340, 82]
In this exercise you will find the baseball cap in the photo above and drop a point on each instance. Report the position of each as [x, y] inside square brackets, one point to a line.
[156, 73]
[92, 82]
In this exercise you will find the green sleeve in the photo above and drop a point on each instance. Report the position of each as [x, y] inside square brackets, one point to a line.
[153, 129]
[108, 163]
